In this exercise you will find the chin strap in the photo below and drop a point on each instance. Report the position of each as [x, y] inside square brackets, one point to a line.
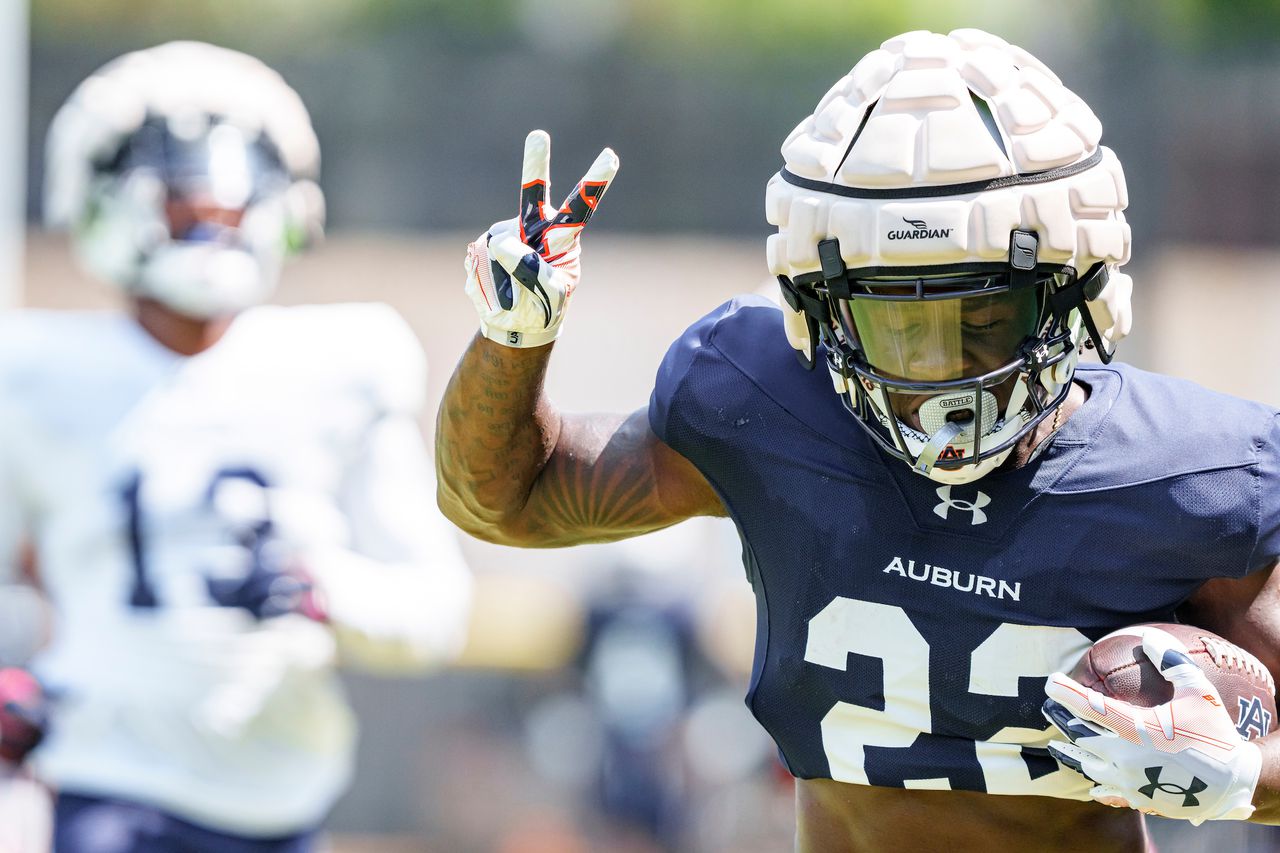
[807, 309]
[929, 454]
[814, 310]
[1075, 296]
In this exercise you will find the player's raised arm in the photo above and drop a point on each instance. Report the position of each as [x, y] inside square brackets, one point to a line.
[512, 469]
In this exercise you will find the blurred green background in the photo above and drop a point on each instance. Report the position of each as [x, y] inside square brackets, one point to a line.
[421, 105]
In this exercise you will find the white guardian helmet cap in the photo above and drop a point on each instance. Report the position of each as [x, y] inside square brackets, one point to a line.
[950, 231]
[186, 174]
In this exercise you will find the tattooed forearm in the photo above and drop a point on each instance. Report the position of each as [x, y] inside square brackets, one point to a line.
[513, 470]
[492, 436]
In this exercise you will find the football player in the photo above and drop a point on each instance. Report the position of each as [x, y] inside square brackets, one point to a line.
[225, 499]
[939, 506]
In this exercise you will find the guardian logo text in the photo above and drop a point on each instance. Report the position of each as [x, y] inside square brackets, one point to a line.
[919, 230]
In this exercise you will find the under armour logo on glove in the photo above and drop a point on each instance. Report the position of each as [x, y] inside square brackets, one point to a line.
[949, 503]
[1188, 793]
[522, 271]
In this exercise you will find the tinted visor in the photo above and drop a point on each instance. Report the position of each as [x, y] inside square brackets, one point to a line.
[907, 336]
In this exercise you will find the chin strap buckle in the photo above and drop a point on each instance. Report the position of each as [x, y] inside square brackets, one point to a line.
[1036, 354]
[830, 258]
[1024, 254]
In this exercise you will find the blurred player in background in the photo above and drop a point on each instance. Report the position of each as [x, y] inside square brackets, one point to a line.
[965, 514]
[223, 499]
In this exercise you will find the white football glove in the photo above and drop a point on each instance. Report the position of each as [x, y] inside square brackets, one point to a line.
[540, 252]
[1183, 759]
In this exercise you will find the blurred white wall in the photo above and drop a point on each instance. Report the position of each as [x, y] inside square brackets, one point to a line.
[1211, 315]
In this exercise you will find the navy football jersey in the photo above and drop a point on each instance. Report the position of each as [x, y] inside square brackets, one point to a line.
[905, 628]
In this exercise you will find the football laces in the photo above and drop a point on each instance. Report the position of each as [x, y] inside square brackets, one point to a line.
[1231, 656]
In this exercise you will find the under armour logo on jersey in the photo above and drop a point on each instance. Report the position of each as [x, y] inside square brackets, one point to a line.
[1253, 718]
[974, 506]
[1188, 793]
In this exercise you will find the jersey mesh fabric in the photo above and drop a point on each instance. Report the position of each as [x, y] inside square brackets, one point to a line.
[904, 628]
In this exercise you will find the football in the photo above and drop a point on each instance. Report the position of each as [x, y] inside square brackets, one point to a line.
[1116, 666]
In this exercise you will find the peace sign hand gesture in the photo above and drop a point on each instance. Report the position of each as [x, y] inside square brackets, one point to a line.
[522, 271]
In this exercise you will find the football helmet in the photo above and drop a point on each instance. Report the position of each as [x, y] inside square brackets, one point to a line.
[186, 173]
[950, 232]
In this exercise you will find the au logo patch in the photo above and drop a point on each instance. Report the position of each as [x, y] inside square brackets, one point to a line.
[1254, 719]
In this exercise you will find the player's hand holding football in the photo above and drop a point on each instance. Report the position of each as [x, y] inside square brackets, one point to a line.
[540, 249]
[1183, 759]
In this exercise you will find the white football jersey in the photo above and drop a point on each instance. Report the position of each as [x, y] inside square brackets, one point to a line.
[145, 479]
